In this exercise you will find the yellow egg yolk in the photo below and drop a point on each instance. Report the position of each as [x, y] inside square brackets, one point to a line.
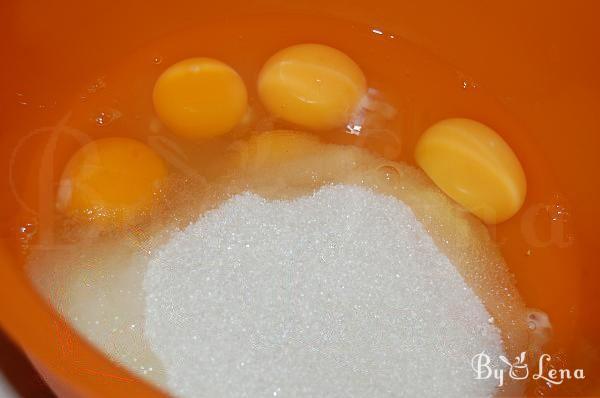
[473, 165]
[111, 180]
[200, 98]
[274, 147]
[311, 85]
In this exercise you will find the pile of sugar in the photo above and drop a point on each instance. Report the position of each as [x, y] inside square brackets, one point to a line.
[338, 294]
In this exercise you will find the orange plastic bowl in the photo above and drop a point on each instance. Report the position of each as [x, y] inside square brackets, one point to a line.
[540, 58]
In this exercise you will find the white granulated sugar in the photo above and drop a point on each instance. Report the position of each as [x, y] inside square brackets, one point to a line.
[338, 294]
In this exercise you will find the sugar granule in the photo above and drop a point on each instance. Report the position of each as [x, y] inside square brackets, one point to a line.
[338, 294]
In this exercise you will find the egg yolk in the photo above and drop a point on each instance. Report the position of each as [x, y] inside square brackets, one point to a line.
[473, 165]
[111, 180]
[311, 85]
[274, 147]
[200, 98]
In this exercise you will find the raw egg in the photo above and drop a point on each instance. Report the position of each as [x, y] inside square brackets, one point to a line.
[111, 180]
[311, 85]
[473, 165]
[274, 147]
[200, 98]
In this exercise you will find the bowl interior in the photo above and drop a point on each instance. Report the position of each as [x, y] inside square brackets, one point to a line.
[539, 59]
